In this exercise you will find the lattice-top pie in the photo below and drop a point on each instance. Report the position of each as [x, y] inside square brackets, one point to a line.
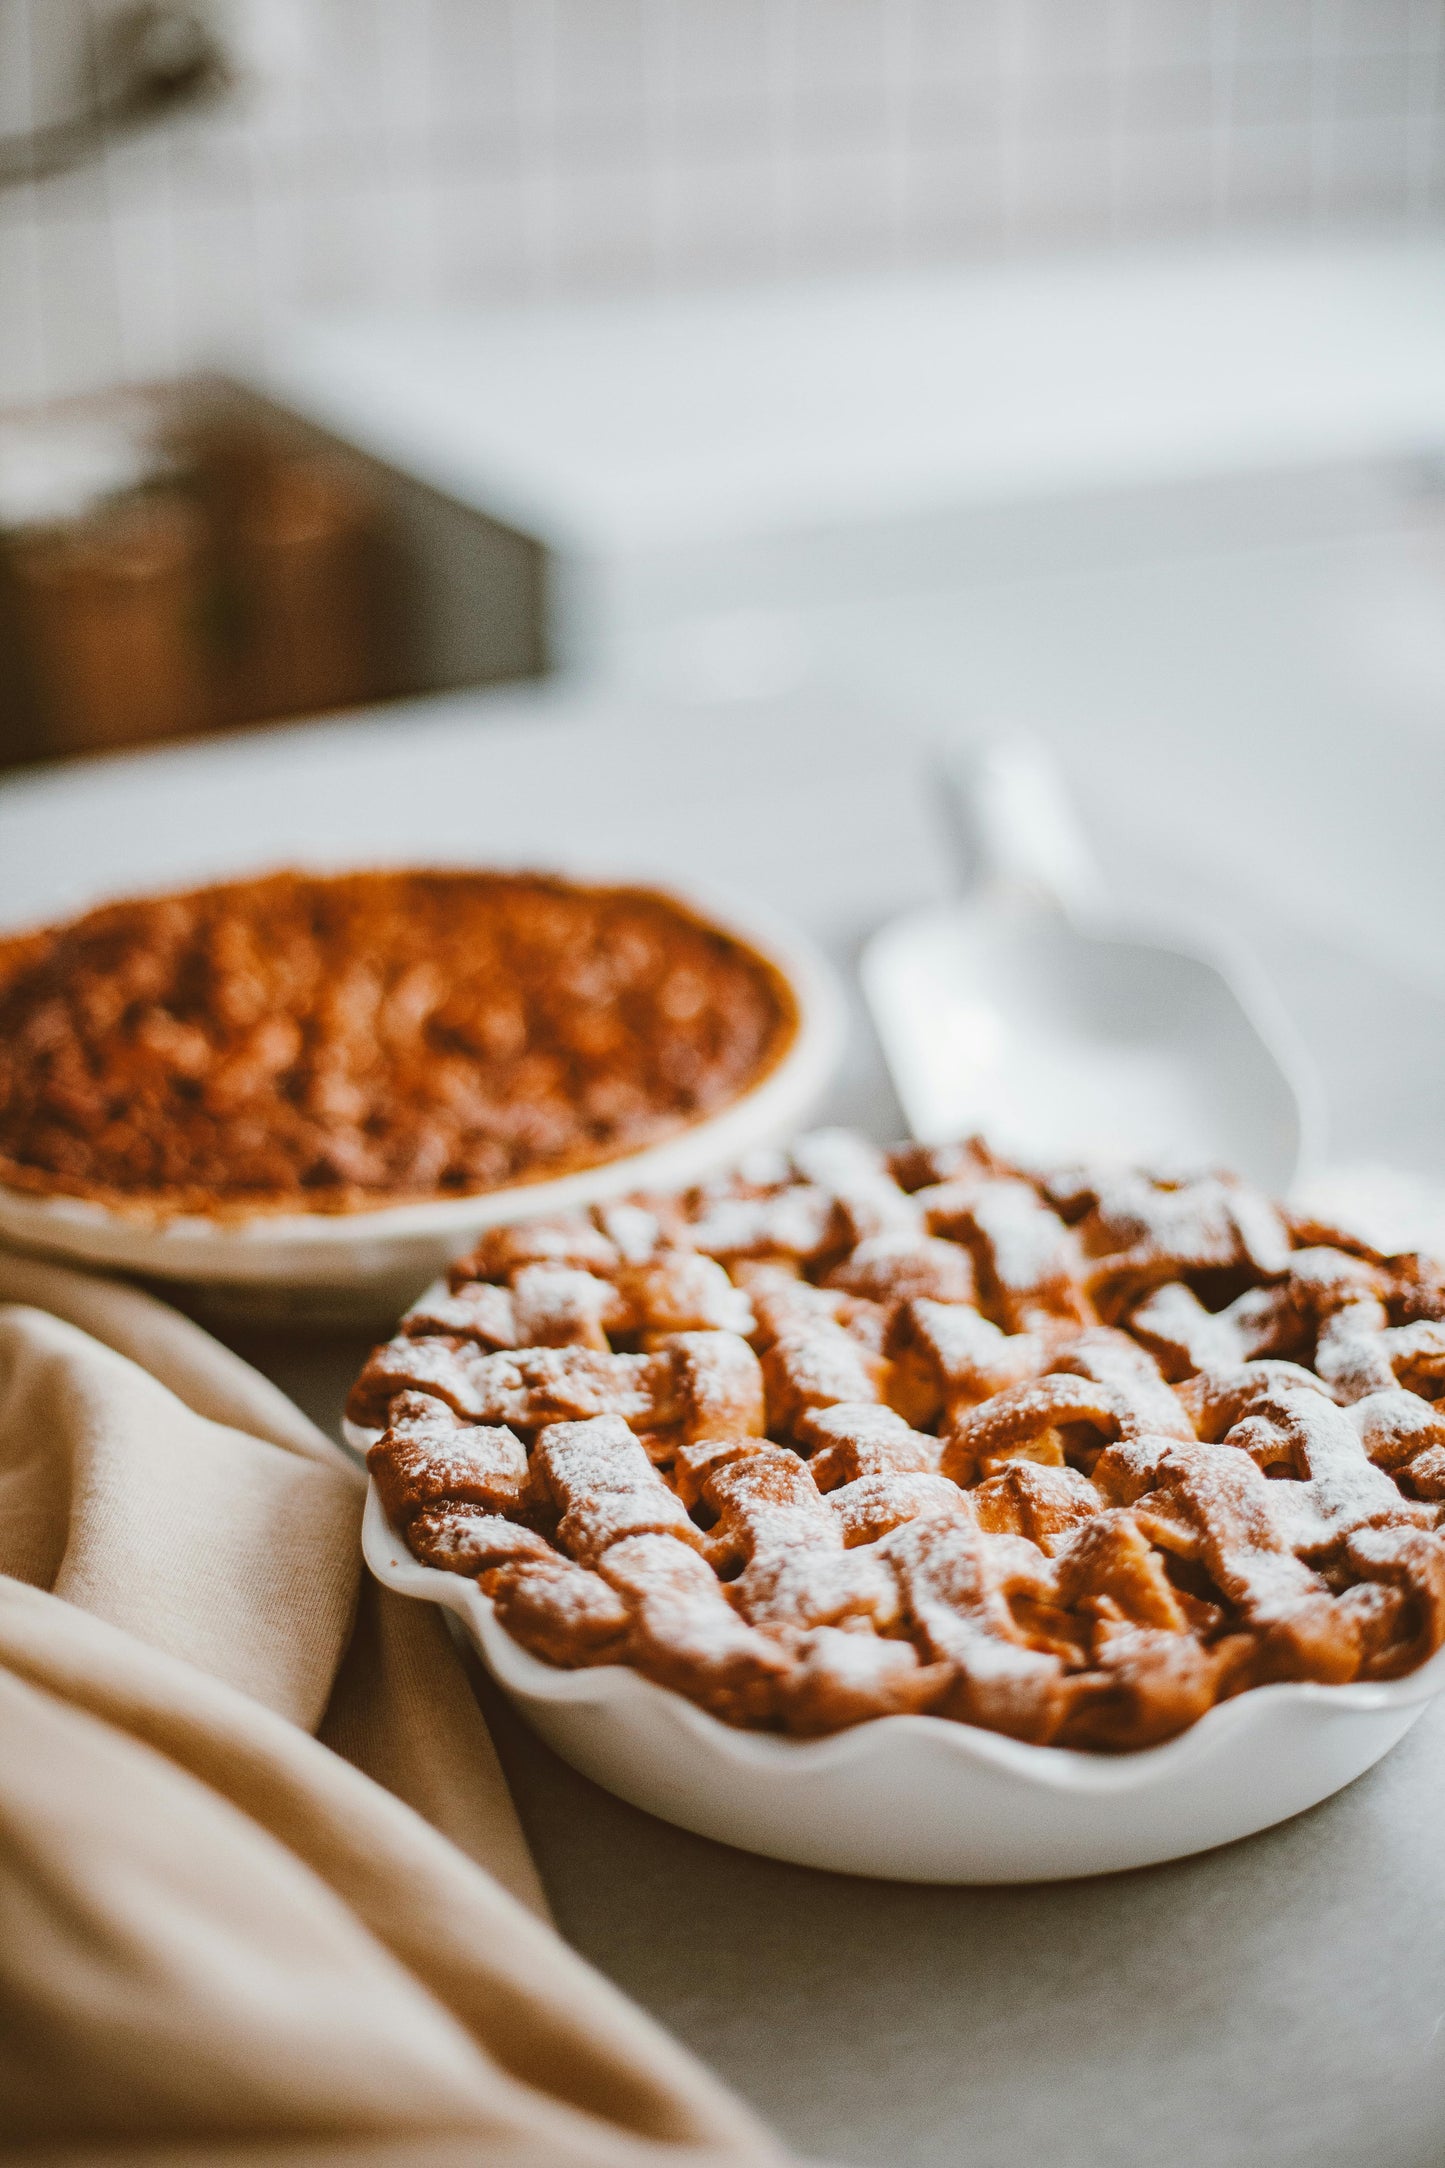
[1069, 1454]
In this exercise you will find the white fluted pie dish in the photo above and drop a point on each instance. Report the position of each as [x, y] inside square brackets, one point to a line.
[922, 1798]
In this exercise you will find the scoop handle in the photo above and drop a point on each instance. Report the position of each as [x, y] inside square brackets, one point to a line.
[1014, 828]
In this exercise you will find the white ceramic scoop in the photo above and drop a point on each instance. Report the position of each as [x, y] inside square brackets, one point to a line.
[1030, 1011]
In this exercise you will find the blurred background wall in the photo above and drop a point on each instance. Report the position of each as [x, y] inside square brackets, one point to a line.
[424, 151]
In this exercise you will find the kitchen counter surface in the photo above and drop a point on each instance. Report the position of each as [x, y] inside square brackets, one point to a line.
[1280, 2003]
[658, 421]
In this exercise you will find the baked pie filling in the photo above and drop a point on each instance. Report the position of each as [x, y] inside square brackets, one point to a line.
[1072, 1455]
[335, 1043]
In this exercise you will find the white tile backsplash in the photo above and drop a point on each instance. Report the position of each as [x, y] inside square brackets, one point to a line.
[1167, 32]
[955, 202]
[1065, 183]
[427, 151]
[1369, 166]
[1370, 86]
[1271, 172]
[721, 210]
[1170, 181]
[1274, 29]
[1372, 26]
[603, 229]
[842, 196]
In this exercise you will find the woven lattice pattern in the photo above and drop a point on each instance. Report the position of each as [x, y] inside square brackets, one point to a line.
[849, 1433]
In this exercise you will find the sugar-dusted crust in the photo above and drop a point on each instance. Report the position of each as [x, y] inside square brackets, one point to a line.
[1066, 1453]
[310, 1043]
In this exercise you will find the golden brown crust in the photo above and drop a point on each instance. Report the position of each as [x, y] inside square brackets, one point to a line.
[461, 1539]
[310, 1043]
[423, 1466]
[1072, 1457]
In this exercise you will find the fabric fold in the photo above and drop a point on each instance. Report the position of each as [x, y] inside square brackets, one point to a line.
[263, 1893]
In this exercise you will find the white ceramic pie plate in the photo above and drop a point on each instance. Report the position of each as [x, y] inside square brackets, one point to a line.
[920, 1799]
[351, 1268]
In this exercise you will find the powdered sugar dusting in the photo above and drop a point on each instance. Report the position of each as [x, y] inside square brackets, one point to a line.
[1072, 1454]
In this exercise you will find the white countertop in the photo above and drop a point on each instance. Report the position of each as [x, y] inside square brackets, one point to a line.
[1277, 2004]
[642, 423]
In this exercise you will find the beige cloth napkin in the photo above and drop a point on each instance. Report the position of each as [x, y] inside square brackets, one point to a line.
[263, 1895]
